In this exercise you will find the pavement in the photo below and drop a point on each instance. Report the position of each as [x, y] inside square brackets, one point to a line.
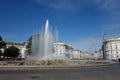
[109, 72]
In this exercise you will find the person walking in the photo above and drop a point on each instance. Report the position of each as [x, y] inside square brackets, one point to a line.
[119, 60]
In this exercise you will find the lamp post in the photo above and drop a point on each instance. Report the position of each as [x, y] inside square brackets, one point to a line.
[103, 47]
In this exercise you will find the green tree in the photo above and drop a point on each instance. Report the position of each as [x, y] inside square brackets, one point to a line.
[2, 43]
[2, 46]
[11, 52]
[1, 38]
[29, 45]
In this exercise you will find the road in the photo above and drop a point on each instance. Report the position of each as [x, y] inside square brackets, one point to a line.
[111, 72]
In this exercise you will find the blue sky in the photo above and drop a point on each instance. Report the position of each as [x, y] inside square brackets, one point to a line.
[80, 23]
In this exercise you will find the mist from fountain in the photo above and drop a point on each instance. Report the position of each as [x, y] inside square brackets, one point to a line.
[42, 44]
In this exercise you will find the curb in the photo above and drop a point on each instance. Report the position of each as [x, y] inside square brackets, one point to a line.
[52, 67]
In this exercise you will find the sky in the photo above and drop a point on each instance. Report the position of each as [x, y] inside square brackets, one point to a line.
[81, 23]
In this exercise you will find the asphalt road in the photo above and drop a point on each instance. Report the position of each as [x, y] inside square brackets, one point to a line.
[111, 72]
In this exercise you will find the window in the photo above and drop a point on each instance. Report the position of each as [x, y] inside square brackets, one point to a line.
[116, 51]
[116, 46]
[106, 47]
[110, 46]
[111, 52]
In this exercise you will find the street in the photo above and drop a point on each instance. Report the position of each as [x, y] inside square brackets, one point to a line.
[111, 72]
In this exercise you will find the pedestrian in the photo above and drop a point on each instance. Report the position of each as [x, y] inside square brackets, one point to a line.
[119, 60]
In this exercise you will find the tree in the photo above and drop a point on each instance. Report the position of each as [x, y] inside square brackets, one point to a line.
[29, 45]
[2, 43]
[1, 38]
[11, 52]
[2, 46]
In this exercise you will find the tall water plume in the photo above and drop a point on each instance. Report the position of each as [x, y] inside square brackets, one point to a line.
[42, 43]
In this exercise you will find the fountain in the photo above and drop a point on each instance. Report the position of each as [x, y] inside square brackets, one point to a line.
[42, 44]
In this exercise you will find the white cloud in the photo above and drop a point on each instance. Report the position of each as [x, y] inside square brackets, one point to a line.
[59, 4]
[7, 37]
[112, 30]
[110, 6]
[112, 26]
[64, 4]
[89, 44]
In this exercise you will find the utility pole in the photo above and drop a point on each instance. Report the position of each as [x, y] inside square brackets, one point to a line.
[103, 46]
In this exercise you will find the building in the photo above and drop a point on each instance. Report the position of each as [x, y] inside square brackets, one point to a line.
[111, 49]
[62, 49]
[98, 54]
[77, 54]
[85, 55]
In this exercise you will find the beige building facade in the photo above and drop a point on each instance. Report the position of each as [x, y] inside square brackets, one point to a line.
[111, 48]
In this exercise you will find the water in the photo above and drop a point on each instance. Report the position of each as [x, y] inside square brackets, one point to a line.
[42, 44]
